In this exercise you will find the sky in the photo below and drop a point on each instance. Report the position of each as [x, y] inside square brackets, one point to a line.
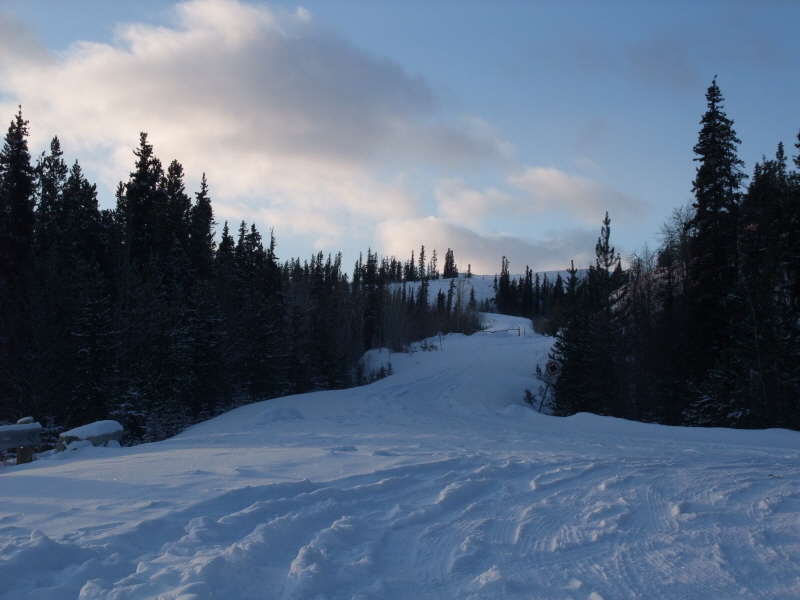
[492, 128]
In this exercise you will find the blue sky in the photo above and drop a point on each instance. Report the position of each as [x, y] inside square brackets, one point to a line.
[494, 128]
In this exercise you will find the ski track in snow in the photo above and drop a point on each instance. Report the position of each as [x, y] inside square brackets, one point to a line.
[443, 494]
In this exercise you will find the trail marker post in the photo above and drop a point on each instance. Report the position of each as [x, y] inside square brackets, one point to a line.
[551, 372]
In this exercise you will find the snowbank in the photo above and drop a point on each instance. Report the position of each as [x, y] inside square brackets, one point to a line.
[94, 430]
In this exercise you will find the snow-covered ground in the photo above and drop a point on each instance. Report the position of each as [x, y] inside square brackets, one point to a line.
[437, 482]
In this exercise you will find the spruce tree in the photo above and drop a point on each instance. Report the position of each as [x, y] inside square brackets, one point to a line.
[17, 218]
[178, 206]
[790, 247]
[224, 257]
[546, 293]
[589, 343]
[754, 382]
[17, 222]
[527, 294]
[503, 299]
[433, 269]
[52, 172]
[80, 221]
[143, 206]
[713, 260]
[201, 232]
[450, 268]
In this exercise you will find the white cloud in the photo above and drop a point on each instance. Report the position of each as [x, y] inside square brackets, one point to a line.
[299, 130]
[551, 190]
[538, 191]
[462, 204]
[288, 120]
[232, 76]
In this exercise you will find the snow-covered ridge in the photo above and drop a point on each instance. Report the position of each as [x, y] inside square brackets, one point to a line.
[435, 482]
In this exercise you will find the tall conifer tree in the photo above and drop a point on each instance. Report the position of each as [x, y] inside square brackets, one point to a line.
[52, 171]
[201, 232]
[17, 185]
[17, 222]
[713, 261]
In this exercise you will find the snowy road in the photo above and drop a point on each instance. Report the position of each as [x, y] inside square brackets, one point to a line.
[436, 482]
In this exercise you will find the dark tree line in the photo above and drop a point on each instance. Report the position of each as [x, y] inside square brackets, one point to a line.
[400, 310]
[137, 314]
[419, 269]
[532, 296]
[705, 330]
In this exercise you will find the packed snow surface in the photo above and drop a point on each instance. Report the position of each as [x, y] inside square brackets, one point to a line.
[436, 482]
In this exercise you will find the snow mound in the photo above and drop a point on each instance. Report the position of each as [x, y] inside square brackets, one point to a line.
[97, 429]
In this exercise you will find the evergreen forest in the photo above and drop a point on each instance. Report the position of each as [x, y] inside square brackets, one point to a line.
[137, 314]
[705, 329]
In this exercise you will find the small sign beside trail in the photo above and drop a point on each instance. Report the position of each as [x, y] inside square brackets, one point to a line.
[551, 372]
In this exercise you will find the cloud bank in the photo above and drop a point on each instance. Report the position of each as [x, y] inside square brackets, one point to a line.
[549, 189]
[272, 105]
[484, 251]
[297, 129]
